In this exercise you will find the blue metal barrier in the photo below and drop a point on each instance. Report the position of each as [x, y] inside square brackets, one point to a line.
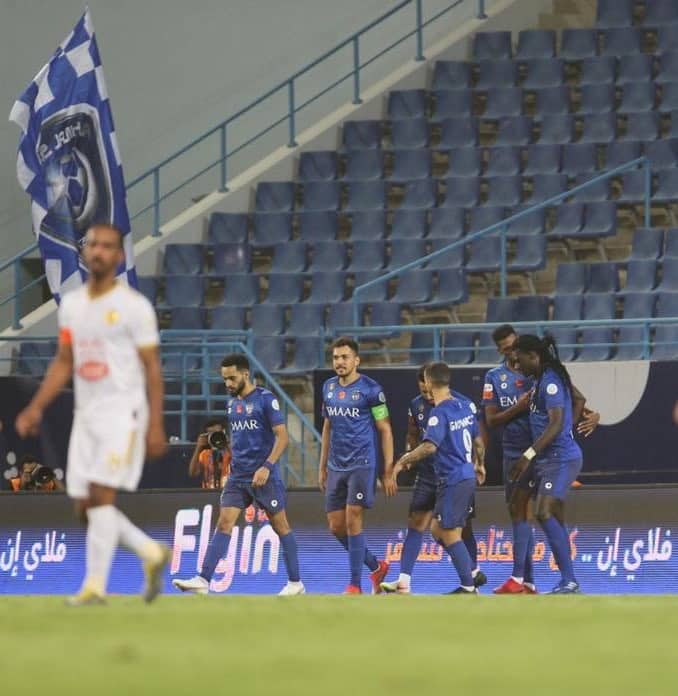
[502, 227]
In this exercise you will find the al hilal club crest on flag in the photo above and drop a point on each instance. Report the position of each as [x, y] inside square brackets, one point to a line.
[69, 161]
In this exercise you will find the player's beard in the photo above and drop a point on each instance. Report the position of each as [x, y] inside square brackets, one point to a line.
[237, 390]
[100, 271]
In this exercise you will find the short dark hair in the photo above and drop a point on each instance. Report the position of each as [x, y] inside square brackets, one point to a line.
[346, 342]
[214, 421]
[438, 373]
[502, 332]
[237, 360]
[421, 372]
[27, 459]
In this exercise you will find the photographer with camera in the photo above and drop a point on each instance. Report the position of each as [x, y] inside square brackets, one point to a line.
[35, 477]
[212, 456]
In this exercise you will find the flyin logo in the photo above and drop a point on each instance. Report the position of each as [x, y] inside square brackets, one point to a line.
[238, 425]
[343, 411]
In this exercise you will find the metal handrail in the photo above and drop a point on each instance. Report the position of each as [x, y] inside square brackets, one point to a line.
[503, 225]
[154, 173]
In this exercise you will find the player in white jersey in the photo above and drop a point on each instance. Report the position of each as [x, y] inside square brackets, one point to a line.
[108, 345]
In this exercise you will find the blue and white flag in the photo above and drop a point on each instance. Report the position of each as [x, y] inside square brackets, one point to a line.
[68, 160]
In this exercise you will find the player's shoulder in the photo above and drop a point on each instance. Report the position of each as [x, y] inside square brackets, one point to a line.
[551, 382]
[133, 298]
[494, 372]
[264, 393]
[416, 402]
[369, 382]
[73, 298]
[329, 383]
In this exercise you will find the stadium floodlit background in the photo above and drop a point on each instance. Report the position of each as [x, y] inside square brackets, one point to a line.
[288, 167]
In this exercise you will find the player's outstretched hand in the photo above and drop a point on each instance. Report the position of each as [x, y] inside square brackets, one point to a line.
[28, 422]
[390, 485]
[322, 479]
[156, 442]
[260, 477]
[588, 423]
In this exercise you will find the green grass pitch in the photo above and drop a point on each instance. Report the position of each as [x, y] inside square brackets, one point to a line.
[344, 646]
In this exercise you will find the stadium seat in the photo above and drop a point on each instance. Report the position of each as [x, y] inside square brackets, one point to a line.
[639, 305]
[284, 288]
[34, 357]
[603, 277]
[309, 355]
[241, 290]
[421, 348]
[274, 197]
[485, 255]
[597, 99]
[148, 287]
[458, 347]
[499, 74]
[566, 341]
[385, 314]
[227, 227]
[451, 75]
[409, 103]
[187, 319]
[594, 191]
[572, 278]
[362, 135]
[619, 153]
[633, 187]
[567, 307]
[184, 290]
[501, 310]
[621, 41]
[327, 287]
[660, 12]
[340, 315]
[599, 306]
[598, 71]
[405, 251]
[421, 193]
[506, 191]
[634, 68]
[531, 224]
[366, 195]
[328, 256]
[452, 259]
[542, 159]
[368, 224]
[231, 258]
[544, 72]
[641, 276]
[578, 44]
[289, 258]
[452, 287]
[669, 98]
[503, 161]
[227, 318]
[536, 43]
[461, 192]
[600, 220]
[663, 154]
[530, 255]
[597, 344]
[514, 130]
[458, 133]
[367, 255]
[531, 308]
[446, 224]
[491, 45]
[414, 287]
[599, 128]
[408, 224]
[578, 158]
[271, 229]
[486, 354]
[322, 195]
[411, 164]
[306, 319]
[667, 305]
[183, 259]
[669, 281]
[637, 97]
[267, 319]
[411, 133]
[556, 129]
[552, 100]
[648, 243]
[668, 68]
[456, 104]
[667, 186]
[569, 221]
[270, 351]
[322, 165]
[485, 216]
[363, 165]
[665, 343]
[318, 225]
[667, 38]
[614, 13]
[503, 101]
[546, 186]
[375, 293]
[465, 162]
[671, 237]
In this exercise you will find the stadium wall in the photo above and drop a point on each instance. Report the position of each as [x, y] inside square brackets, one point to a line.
[621, 542]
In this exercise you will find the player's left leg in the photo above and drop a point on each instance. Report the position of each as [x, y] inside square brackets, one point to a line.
[469, 539]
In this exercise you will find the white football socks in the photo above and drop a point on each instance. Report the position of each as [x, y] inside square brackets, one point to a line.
[102, 540]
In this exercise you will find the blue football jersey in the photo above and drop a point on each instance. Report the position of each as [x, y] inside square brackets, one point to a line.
[550, 393]
[351, 411]
[251, 421]
[419, 410]
[503, 387]
[452, 426]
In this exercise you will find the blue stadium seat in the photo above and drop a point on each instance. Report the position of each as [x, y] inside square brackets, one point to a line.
[667, 38]
[421, 348]
[603, 277]
[597, 99]
[270, 351]
[405, 251]
[566, 340]
[408, 224]
[599, 306]
[546, 186]
[227, 227]
[454, 258]
[639, 305]
[572, 278]
[660, 12]
[669, 98]
[455, 104]
[306, 319]
[241, 290]
[184, 290]
[340, 314]
[500, 74]
[148, 287]
[599, 128]
[368, 224]
[669, 281]
[309, 355]
[578, 158]
[619, 153]
[567, 307]
[648, 243]
[542, 159]
[668, 68]
[458, 133]
[536, 43]
[501, 310]
[227, 318]
[327, 287]
[530, 255]
[451, 75]
[421, 193]
[289, 258]
[663, 154]
[569, 221]
[465, 162]
[504, 191]
[671, 250]
[665, 343]
[614, 13]
[595, 191]
[458, 347]
[621, 41]
[667, 186]
[642, 126]
[633, 187]
[34, 357]
[556, 129]
[451, 289]
[366, 195]
[322, 195]
[328, 256]
[597, 344]
[667, 305]
[598, 71]
[232, 258]
[375, 293]
[503, 161]
[514, 130]
[411, 164]
[485, 216]
[322, 165]
[461, 192]
[503, 101]
[363, 165]
[544, 72]
[635, 68]
[180, 259]
[578, 44]
[412, 133]
[641, 276]
[271, 229]
[486, 354]
[318, 225]
[600, 220]
[491, 45]
[187, 318]
[447, 223]
[362, 135]
[531, 224]
[274, 197]
[284, 288]
[414, 287]
[532, 308]
[367, 255]
[267, 319]
[385, 314]
[409, 103]
[552, 100]
[637, 97]
[485, 255]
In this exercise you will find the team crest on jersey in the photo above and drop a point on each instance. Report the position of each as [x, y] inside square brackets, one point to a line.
[504, 377]
[355, 396]
[342, 395]
[504, 385]
[249, 408]
[519, 383]
[330, 394]
[112, 317]
[238, 408]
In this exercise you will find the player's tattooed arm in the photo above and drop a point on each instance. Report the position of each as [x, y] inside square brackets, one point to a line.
[324, 453]
[412, 434]
[479, 460]
[553, 429]
[408, 460]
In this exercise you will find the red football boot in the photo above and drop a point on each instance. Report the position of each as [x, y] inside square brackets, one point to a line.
[353, 589]
[378, 576]
[510, 587]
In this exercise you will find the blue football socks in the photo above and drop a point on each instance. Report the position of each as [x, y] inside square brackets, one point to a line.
[356, 556]
[370, 559]
[217, 549]
[291, 556]
[410, 551]
[462, 562]
[560, 545]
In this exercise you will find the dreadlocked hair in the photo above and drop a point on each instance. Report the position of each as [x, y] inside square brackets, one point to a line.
[547, 350]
